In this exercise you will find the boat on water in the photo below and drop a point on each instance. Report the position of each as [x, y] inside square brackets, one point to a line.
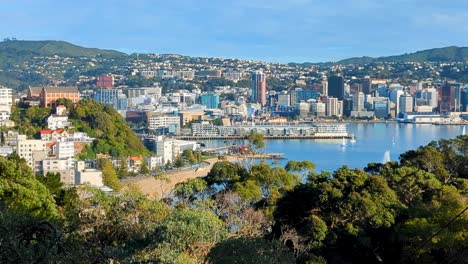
[464, 131]
[343, 143]
[352, 140]
[393, 141]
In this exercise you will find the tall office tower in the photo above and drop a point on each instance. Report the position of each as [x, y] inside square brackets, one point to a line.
[324, 86]
[430, 97]
[406, 103]
[332, 106]
[259, 88]
[358, 101]
[395, 98]
[336, 87]
[447, 97]
[366, 85]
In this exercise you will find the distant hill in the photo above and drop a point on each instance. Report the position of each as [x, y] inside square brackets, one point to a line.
[447, 54]
[25, 48]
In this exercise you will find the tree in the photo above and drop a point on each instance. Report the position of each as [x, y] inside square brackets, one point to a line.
[303, 167]
[189, 189]
[144, 167]
[250, 250]
[256, 140]
[122, 171]
[179, 162]
[109, 176]
[189, 155]
[53, 183]
[225, 173]
[21, 192]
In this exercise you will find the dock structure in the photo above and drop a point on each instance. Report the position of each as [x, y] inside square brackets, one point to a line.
[223, 137]
[205, 130]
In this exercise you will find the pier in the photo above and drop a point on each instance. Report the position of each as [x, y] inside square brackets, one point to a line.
[221, 137]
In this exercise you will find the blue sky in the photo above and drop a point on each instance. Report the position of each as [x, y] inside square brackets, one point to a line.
[268, 30]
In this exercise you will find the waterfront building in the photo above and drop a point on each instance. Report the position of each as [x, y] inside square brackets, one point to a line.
[395, 98]
[381, 108]
[6, 102]
[358, 101]
[50, 94]
[211, 100]
[332, 130]
[405, 103]
[336, 87]
[259, 88]
[332, 107]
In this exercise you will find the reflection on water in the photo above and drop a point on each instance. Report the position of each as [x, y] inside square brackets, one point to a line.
[372, 141]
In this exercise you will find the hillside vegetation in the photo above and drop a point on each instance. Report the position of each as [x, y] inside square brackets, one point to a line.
[447, 54]
[26, 48]
[113, 135]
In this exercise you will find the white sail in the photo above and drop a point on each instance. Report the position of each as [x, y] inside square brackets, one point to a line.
[386, 157]
[464, 130]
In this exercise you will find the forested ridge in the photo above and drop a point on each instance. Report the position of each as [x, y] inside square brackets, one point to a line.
[411, 211]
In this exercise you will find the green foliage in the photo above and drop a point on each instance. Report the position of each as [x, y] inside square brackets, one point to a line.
[52, 182]
[250, 250]
[21, 192]
[144, 167]
[30, 120]
[189, 156]
[256, 139]
[225, 173]
[188, 189]
[188, 231]
[179, 162]
[109, 176]
[447, 54]
[113, 134]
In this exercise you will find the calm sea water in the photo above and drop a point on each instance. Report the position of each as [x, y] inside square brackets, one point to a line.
[372, 142]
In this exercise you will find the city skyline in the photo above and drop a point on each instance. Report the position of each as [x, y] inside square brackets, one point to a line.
[296, 31]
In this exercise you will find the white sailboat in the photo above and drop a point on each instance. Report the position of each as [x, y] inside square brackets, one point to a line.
[343, 144]
[352, 140]
[393, 141]
[464, 131]
[386, 157]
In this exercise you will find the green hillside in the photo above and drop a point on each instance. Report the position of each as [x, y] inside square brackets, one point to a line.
[447, 54]
[24, 48]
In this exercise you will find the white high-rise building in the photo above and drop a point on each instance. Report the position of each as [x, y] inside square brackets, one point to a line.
[406, 103]
[164, 150]
[6, 102]
[332, 106]
[65, 149]
[358, 101]
[395, 98]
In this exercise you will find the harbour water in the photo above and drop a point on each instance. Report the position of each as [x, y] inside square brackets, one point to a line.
[375, 142]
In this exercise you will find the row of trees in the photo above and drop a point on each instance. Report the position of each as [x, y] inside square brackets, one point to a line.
[414, 211]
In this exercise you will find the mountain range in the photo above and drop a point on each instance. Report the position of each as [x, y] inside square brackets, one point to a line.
[14, 50]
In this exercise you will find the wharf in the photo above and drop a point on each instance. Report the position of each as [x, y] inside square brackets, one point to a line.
[214, 137]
